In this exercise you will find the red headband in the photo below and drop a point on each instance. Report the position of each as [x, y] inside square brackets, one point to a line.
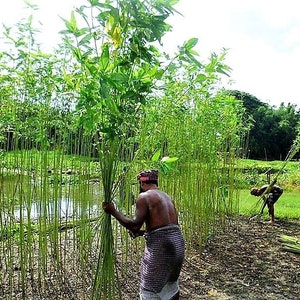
[148, 175]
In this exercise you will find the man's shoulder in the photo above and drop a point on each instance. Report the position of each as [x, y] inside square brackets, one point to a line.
[147, 195]
[142, 195]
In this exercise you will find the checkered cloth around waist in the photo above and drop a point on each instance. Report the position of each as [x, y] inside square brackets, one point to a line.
[163, 257]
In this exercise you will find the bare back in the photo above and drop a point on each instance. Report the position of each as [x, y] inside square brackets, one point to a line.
[160, 209]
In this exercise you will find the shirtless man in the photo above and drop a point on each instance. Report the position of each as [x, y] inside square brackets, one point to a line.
[164, 252]
[269, 199]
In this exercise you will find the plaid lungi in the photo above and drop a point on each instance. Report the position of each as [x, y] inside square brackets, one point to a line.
[162, 259]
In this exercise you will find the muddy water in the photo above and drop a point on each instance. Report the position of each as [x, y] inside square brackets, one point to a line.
[24, 197]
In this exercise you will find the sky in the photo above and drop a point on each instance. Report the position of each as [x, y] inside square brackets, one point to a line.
[262, 38]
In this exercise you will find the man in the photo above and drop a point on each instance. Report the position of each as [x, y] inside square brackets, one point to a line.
[269, 199]
[164, 252]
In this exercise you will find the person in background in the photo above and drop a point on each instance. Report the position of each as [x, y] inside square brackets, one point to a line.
[165, 246]
[269, 198]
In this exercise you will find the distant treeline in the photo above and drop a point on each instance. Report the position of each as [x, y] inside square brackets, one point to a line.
[273, 129]
[271, 135]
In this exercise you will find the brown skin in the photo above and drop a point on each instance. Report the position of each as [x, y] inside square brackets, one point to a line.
[153, 207]
[258, 192]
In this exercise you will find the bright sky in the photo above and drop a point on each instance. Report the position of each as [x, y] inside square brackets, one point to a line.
[262, 38]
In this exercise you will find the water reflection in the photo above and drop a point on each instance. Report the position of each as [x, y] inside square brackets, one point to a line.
[63, 208]
[21, 198]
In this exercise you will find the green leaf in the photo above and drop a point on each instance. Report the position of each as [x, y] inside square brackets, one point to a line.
[104, 90]
[156, 156]
[72, 24]
[119, 77]
[191, 43]
[201, 78]
[173, 2]
[104, 59]
[167, 159]
[77, 53]
[112, 106]
[86, 39]
[193, 60]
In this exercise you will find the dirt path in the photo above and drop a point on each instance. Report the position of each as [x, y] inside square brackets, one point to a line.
[246, 261]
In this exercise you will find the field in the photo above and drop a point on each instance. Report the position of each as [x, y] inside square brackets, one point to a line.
[242, 258]
[245, 261]
[288, 205]
[254, 173]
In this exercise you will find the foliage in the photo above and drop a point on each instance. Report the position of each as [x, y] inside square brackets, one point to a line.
[273, 129]
[290, 244]
[30, 84]
[117, 64]
[106, 104]
[118, 69]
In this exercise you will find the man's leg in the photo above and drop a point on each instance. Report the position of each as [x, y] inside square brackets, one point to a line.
[271, 212]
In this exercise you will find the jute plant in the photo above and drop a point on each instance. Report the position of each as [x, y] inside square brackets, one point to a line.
[130, 109]
[185, 123]
[119, 67]
[35, 137]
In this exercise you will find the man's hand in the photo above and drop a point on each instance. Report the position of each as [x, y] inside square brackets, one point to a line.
[108, 207]
[136, 234]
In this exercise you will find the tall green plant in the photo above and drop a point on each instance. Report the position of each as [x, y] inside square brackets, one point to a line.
[134, 106]
[31, 127]
[119, 65]
[202, 126]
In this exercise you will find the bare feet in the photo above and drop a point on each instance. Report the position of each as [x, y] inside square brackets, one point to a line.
[270, 222]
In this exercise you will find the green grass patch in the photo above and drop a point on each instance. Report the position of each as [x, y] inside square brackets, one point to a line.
[287, 206]
[254, 173]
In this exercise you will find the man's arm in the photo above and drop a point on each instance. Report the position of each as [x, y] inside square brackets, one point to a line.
[261, 190]
[264, 205]
[133, 224]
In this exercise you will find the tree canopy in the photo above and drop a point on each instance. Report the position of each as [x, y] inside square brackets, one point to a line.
[272, 131]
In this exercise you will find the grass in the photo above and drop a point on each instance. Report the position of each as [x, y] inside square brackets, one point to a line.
[287, 206]
[275, 164]
[254, 173]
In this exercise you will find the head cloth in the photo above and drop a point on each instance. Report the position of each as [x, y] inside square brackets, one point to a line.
[146, 175]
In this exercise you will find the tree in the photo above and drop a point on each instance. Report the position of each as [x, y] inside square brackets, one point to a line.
[273, 130]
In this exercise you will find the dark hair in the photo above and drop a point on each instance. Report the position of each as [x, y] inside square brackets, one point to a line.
[148, 175]
[151, 182]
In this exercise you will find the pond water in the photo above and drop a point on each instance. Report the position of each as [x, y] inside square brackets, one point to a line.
[23, 198]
